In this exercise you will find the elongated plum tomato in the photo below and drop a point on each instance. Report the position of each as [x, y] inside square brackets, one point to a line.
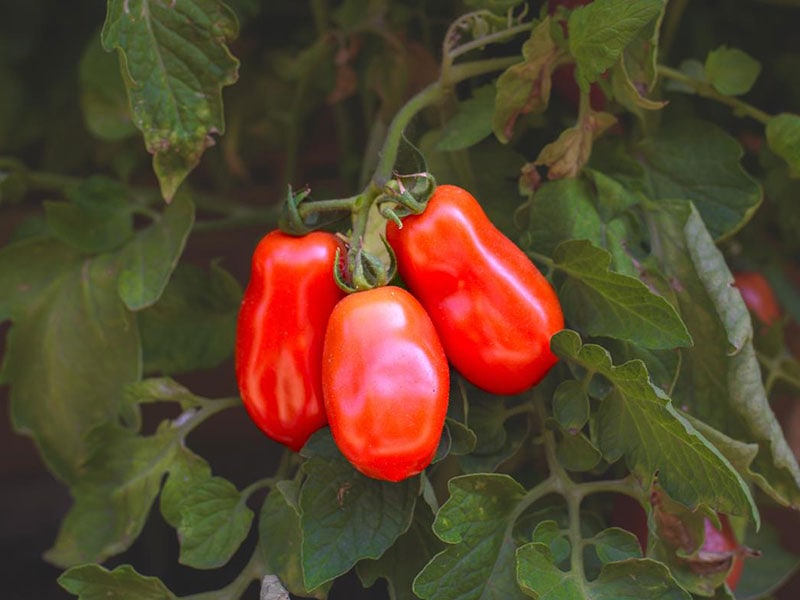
[758, 295]
[494, 311]
[280, 333]
[386, 383]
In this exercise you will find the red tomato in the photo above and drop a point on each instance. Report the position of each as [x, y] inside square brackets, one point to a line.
[280, 333]
[494, 311]
[566, 87]
[386, 383]
[758, 295]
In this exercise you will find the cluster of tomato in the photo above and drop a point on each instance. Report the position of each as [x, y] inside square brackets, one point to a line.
[374, 364]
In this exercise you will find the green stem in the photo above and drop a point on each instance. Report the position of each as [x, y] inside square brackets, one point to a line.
[318, 206]
[706, 90]
[499, 36]
[208, 408]
[432, 94]
[253, 570]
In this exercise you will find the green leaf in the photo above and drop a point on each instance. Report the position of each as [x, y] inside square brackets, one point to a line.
[65, 307]
[636, 420]
[632, 579]
[471, 123]
[783, 137]
[768, 573]
[193, 324]
[401, 563]
[104, 100]
[149, 258]
[710, 175]
[538, 575]
[214, 522]
[346, 516]
[603, 303]
[97, 218]
[93, 582]
[615, 544]
[175, 62]
[551, 534]
[281, 538]
[600, 31]
[720, 379]
[571, 404]
[576, 452]
[525, 87]
[731, 71]
[112, 500]
[477, 521]
[186, 471]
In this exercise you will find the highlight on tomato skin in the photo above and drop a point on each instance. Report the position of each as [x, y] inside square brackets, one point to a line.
[493, 310]
[386, 383]
[280, 333]
[758, 296]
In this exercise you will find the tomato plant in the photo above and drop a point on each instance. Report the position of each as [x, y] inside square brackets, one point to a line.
[493, 309]
[386, 383]
[572, 275]
[281, 328]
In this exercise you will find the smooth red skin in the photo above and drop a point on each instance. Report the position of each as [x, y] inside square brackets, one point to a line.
[280, 333]
[629, 514]
[386, 383]
[494, 311]
[758, 296]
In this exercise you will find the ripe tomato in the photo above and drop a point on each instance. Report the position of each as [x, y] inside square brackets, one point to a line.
[494, 311]
[758, 295]
[723, 542]
[386, 383]
[280, 333]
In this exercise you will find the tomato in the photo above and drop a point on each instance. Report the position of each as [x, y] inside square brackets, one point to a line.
[566, 87]
[386, 383]
[758, 295]
[280, 332]
[494, 311]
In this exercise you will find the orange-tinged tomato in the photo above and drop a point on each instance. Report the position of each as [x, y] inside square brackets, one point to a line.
[758, 296]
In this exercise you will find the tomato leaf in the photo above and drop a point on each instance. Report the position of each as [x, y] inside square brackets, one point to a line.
[97, 219]
[575, 451]
[603, 303]
[401, 563]
[600, 31]
[764, 575]
[731, 71]
[93, 582]
[186, 471]
[637, 421]
[710, 175]
[112, 500]
[214, 522]
[281, 538]
[104, 100]
[477, 521]
[615, 544]
[333, 500]
[64, 306]
[631, 579]
[150, 257]
[193, 324]
[471, 123]
[174, 61]
[783, 137]
[720, 380]
[525, 87]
